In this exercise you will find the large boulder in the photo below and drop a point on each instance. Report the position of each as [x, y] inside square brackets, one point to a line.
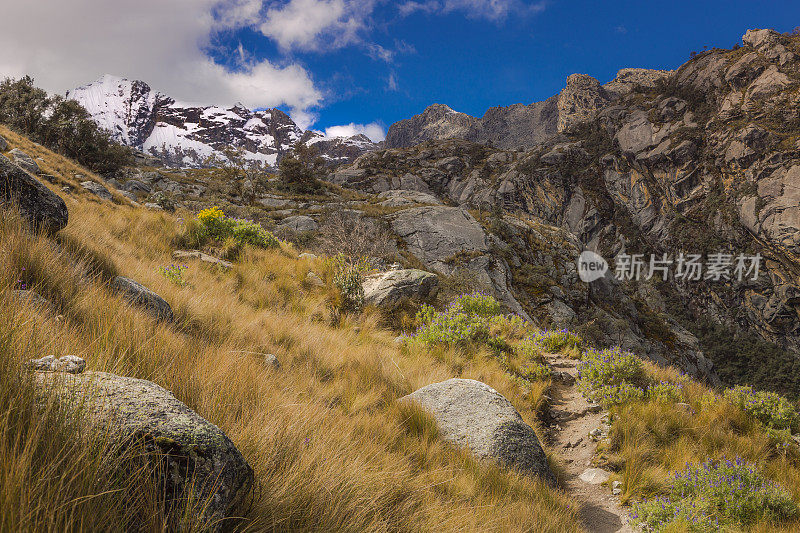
[143, 297]
[388, 289]
[42, 208]
[199, 456]
[472, 415]
[24, 161]
[3, 144]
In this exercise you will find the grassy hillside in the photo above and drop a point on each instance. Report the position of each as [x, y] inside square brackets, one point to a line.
[331, 448]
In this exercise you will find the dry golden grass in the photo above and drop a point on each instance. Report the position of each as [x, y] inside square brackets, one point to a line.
[331, 448]
[651, 439]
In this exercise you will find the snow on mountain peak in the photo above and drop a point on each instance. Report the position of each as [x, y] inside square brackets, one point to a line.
[184, 135]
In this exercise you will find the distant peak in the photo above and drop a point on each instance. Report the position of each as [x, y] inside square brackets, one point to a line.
[440, 108]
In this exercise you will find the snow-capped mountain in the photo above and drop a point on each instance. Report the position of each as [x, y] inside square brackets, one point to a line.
[184, 135]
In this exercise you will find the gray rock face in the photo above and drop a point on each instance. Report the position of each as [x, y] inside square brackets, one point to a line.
[438, 121]
[628, 78]
[3, 144]
[472, 415]
[436, 234]
[521, 126]
[197, 452]
[580, 100]
[24, 161]
[299, 223]
[449, 239]
[271, 360]
[98, 190]
[314, 280]
[136, 187]
[141, 296]
[42, 208]
[388, 289]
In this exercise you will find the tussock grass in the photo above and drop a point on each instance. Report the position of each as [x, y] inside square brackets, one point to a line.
[331, 448]
[651, 439]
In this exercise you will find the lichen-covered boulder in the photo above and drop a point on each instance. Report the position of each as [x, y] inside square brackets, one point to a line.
[141, 296]
[24, 161]
[199, 456]
[472, 415]
[42, 208]
[71, 364]
[98, 190]
[388, 289]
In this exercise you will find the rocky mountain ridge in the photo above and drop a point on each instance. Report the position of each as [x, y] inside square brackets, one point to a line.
[186, 135]
[521, 126]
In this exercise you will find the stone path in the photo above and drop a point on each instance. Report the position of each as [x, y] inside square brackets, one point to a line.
[574, 419]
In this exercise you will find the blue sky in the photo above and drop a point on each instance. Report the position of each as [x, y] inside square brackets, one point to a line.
[472, 61]
[367, 62]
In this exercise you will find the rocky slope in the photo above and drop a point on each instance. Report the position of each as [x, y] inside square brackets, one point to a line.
[705, 159]
[183, 135]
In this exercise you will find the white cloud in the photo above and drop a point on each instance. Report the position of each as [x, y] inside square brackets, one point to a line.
[495, 10]
[391, 82]
[317, 24]
[408, 8]
[164, 43]
[372, 130]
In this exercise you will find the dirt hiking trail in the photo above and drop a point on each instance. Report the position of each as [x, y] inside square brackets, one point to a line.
[573, 419]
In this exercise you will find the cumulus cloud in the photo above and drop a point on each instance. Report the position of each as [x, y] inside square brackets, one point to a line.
[317, 24]
[164, 43]
[372, 130]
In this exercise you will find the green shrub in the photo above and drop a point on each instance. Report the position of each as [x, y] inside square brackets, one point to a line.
[217, 225]
[557, 340]
[665, 392]
[478, 304]
[611, 376]
[466, 320]
[247, 232]
[534, 371]
[61, 125]
[715, 496]
[772, 410]
[347, 276]
[449, 327]
[234, 233]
